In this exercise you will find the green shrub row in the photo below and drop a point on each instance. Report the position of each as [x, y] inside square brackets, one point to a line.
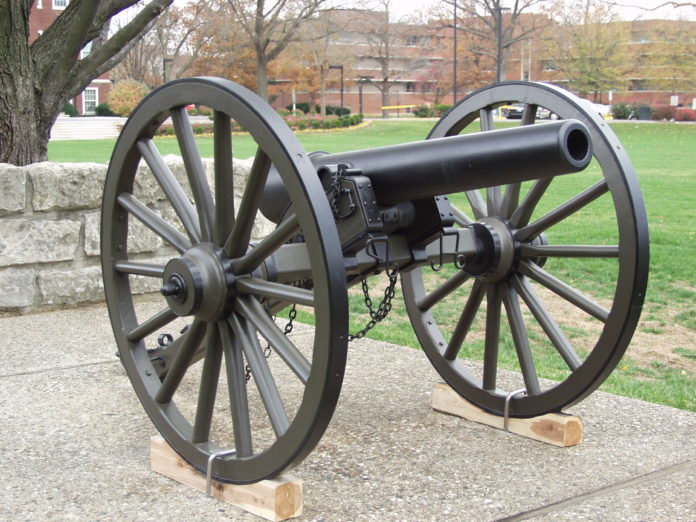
[101, 110]
[427, 111]
[659, 112]
[294, 122]
[330, 109]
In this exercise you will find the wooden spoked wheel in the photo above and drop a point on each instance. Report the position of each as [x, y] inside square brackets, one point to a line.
[560, 280]
[219, 288]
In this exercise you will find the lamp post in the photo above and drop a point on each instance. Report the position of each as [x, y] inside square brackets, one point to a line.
[454, 74]
[499, 30]
[340, 67]
[362, 80]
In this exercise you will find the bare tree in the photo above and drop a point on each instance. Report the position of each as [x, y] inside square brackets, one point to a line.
[386, 40]
[587, 46]
[495, 28]
[37, 79]
[171, 47]
[316, 51]
[270, 28]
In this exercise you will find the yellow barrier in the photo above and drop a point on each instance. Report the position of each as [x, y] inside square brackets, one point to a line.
[398, 106]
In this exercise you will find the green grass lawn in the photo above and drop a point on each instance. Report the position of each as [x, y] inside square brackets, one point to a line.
[663, 156]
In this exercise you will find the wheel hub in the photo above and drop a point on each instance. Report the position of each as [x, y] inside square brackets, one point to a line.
[497, 253]
[199, 283]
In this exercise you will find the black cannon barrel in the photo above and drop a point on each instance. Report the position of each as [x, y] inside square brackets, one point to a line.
[413, 171]
[423, 169]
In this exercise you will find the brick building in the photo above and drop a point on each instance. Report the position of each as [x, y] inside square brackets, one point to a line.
[421, 64]
[41, 16]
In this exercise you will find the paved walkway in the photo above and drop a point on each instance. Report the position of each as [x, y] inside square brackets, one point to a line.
[74, 446]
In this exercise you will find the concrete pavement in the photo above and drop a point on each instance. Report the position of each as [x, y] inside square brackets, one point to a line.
[75, 442]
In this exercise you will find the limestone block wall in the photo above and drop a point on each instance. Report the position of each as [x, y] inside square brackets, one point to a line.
[49, 232]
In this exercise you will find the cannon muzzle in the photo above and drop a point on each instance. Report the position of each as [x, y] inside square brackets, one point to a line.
[414, 171]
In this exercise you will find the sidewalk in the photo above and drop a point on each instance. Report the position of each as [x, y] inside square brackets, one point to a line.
[75, 445]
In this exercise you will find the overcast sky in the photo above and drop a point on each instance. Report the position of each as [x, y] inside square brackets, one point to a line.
[628, 9]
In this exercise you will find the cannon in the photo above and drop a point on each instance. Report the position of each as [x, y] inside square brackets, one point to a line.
[523, 248]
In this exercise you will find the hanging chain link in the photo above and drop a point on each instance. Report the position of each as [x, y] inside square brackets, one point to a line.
[267, 350]
[385, 306]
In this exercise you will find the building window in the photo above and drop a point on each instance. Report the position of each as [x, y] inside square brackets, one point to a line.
[39, 4]
[550, 66]
[90, 100]
[410, 87]
[637, 85]
[412, 41]
[84, 53]
[60, 4]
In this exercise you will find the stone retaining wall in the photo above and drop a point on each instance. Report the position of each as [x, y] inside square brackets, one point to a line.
[49, 232]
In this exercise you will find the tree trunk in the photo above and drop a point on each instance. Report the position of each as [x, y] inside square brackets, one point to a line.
[322, 90]
[261, 77]
[385, 101]
[25, 125]
[24, 133]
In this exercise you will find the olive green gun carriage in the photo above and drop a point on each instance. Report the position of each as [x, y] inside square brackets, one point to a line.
[516, 245]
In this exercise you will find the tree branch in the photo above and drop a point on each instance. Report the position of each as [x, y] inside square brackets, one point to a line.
[112, 51]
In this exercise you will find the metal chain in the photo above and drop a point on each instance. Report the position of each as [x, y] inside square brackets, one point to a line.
[335, 194]
[377, 316]
[267, 350]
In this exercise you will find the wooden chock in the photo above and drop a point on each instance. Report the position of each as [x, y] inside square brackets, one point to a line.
[559, 429]
[274, 499]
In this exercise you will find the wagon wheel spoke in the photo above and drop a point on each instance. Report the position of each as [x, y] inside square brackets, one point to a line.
[194, 170]
[595, 251]
[442, 291]
[567, 292]
[181, 362]
[512, 192]
[460, 218]
[208, 386]
[236, 384]
[493, 197]
[523, 213]
[240, 235]
[267, 246]
[465, 320]
[478, 206]
[171, 188]
[252, 310]
[142, 269]
[519, 336]
[277, 291]
[547, 322]
[266, 385]
[151, 325]
[490, 350]
[224, 186]
[154, 222]
[563, 211]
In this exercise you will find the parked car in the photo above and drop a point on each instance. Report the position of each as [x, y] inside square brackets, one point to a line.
[514, 112]
[603, 110]
[545, 114]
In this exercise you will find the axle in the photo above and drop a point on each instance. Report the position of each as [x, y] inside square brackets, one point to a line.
[419, 170]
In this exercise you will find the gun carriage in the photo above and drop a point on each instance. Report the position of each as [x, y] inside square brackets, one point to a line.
[463, 218]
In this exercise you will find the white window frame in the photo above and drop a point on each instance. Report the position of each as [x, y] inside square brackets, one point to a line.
[84, 53]
[39, 4]
[58, 6]
[84, 101]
